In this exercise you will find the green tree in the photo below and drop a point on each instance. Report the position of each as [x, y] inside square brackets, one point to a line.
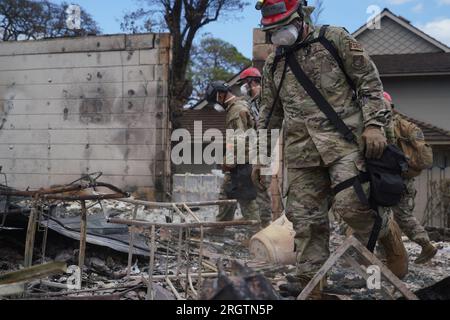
[214, 59]
[31, 19]
[184, 19]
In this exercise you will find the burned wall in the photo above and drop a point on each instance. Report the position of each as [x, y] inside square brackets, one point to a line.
[73, 106]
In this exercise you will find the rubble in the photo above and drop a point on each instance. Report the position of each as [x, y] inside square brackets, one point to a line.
[186, 248]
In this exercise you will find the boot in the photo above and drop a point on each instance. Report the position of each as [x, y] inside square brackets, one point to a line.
[429, 251]
[396, 254]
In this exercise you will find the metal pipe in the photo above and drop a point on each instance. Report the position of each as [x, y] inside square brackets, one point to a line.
[174, 291]
[170, 204]
[51, 194]
[200, 257]
[31, 235]
[83, 197]
[177, 210]
[147, 224]
[175, 277]
[186, 289]
[180, 246]
[83, 234]
[131, 247]
[150, 295]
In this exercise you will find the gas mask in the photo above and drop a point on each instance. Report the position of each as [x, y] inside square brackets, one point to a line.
[285, 36]
[245, 91]
[219, 108]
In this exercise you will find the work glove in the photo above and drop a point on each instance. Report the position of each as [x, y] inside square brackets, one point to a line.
[257, 179]
[374, 141]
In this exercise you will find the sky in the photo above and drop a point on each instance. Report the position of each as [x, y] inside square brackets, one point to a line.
[431, 16]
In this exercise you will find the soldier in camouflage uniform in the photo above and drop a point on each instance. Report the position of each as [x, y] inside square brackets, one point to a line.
[404, 211]
[238, 118]
[250, 81]
[317, 156]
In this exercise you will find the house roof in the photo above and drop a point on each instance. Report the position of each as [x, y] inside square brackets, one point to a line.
[210, 119]
[433, 135]
[413, 64]
[404, 23]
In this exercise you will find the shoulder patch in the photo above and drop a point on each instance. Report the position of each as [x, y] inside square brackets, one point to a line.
[358, 62]
[356, 46]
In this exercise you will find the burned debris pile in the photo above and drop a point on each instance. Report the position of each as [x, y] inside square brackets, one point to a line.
[81, 225]
[89, 240]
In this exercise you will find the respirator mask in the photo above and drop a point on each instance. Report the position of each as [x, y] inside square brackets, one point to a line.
[245, 91]
[285, 36]
[220, 107]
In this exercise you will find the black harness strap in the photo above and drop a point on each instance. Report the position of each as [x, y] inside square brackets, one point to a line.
[283, 52]
[333, 51]
[356, 183]
[319, 99]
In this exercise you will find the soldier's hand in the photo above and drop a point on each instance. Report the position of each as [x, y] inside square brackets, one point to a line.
[375, 142]
[257, 178]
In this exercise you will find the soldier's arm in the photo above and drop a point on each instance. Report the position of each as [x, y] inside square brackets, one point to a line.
[240, 122]
[268, 95]
[389, 127]
[362, 70]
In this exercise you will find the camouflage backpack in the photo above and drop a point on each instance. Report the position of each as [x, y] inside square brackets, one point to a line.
[411, 140]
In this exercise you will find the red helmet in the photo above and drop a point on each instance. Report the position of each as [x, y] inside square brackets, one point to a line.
[250, 73]
[275, 12]
[387, 96]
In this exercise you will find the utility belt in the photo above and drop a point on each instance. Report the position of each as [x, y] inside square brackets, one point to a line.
[385, 175]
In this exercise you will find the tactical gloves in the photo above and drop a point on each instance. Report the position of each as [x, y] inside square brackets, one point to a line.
[375, 142]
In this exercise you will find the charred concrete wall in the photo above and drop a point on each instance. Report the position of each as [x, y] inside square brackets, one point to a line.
[74, 106]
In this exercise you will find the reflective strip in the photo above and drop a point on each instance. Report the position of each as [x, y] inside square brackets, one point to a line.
[273, 9]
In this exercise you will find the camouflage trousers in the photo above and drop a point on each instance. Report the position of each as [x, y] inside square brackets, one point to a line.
[309, 198]
[264, 202]
[249, 209]
[404, 216]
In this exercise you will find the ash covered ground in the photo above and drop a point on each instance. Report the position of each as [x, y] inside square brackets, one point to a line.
[106, 269]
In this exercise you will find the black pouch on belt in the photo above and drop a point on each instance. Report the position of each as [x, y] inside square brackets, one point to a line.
[386, 177]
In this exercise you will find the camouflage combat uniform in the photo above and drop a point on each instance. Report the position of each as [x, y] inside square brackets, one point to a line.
[238, 118]
[404, 211]
[318, 158]
[263, 199]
